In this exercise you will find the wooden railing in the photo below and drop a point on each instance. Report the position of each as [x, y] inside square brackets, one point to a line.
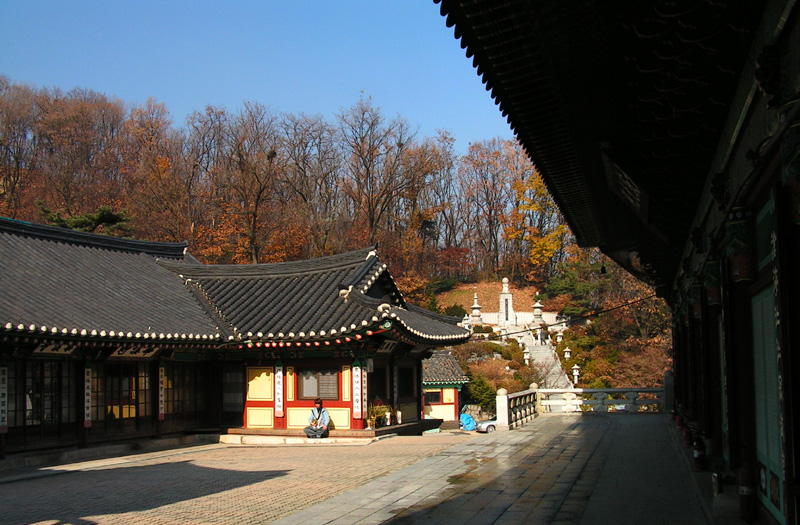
[514, 410]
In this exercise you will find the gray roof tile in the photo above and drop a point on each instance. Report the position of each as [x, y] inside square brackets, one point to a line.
[314, 299]
[59, 279]
[442, 368]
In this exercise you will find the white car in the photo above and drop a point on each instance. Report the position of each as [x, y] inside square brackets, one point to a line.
[487, 425]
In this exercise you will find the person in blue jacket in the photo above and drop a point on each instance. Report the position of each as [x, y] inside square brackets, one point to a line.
[318, 421]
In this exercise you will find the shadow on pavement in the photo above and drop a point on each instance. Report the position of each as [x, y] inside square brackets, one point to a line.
[76, 497]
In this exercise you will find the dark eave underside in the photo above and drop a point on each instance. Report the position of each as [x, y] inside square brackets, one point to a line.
[641, 86]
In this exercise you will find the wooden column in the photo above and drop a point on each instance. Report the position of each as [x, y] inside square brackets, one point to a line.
[787, 260]
[87, 403]
[3, 409]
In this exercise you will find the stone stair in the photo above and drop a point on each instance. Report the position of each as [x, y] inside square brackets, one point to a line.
[545, 356]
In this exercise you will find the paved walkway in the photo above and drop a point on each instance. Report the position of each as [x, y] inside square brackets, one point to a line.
[591, 469]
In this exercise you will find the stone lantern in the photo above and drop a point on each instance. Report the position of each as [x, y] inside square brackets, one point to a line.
[537, 312]
[538, 321]
[576, 371]
[567, 353]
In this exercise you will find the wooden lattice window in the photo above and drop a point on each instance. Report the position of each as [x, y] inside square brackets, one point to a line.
[322, 383]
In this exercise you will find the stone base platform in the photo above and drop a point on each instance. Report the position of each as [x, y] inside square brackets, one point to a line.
[280, 435]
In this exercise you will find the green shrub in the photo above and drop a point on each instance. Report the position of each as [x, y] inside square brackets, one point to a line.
[480, 392]
[455, 310]
[442, 285]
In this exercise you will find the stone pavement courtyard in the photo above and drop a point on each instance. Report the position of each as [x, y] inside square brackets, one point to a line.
[558, 469]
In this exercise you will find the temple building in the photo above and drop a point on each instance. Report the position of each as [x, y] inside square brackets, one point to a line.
[104, 338]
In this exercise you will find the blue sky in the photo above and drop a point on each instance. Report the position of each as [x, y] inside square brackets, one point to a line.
[293, 56]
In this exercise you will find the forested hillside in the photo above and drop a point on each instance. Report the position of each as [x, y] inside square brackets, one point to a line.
[252, 184]
[620, 334]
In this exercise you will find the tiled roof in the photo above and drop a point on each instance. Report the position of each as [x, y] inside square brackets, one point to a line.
[420, 321]
[58, 282]
[172, 250]
[315, 299]
[442, 368]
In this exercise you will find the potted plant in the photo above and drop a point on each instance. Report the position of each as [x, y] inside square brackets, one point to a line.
[380, 412]
[372, 416]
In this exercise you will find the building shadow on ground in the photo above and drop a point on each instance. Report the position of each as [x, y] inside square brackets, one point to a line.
[75, 497]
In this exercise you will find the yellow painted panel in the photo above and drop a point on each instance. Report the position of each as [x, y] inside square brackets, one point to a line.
[260, 383]
[340, 418]
[448, 395]
[258, 417]
[346, 387]
[127, 411]
[297, 417]
[289, 383]
[439, 412]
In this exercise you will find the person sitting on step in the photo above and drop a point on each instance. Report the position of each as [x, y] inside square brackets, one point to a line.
[318, 421]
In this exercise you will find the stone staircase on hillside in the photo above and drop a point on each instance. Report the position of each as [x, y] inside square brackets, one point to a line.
[523, 326]
[544, 357]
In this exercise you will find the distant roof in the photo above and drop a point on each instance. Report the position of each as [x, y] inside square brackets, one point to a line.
[58, 282]
[442, 368]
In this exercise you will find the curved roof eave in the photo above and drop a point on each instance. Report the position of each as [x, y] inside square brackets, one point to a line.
[112, 336]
